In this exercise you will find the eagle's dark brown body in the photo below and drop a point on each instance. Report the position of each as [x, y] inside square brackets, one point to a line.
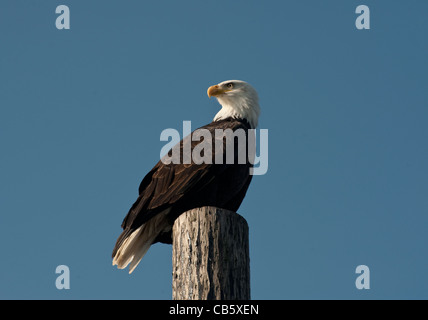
[176, 188]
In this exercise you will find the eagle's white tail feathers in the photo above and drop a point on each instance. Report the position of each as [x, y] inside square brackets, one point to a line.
[138, 243]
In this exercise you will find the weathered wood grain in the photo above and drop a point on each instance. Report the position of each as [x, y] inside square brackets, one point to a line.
[210, 256]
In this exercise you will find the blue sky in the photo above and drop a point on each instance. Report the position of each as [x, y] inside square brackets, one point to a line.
[81, 112]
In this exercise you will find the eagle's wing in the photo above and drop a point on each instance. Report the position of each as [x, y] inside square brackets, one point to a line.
[168, 185]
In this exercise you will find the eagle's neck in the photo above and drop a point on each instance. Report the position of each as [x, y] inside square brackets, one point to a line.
[244, 108]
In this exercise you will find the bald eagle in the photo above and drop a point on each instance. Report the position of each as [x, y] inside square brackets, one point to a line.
[170, 189]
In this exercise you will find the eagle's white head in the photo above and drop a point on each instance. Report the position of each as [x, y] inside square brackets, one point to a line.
[238, 100]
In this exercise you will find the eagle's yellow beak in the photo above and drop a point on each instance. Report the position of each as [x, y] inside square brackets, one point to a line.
[214, 91]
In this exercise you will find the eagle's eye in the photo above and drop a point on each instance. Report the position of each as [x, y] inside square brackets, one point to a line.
[230, 85]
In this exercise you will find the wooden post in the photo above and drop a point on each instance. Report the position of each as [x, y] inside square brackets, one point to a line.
[210, 256]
